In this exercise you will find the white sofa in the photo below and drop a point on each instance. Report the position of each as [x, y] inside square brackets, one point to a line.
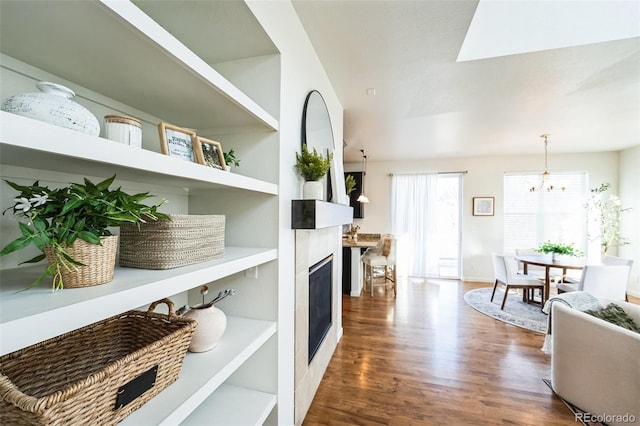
[595, 365]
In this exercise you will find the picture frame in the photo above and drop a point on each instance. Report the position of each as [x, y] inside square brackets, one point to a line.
[178, 142]
[483, 206]
[209, 153]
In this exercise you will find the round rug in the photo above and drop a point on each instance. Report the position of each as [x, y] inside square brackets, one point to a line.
[515, 312]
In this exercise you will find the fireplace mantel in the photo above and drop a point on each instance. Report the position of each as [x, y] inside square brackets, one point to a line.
[316, 214]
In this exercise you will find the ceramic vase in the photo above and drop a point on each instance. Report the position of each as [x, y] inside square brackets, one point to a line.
[212, 323]
[53, 105]
[312, 190]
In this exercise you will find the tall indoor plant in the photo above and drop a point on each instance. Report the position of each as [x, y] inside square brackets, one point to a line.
[68, 224]
[312, 166]
[606, 210]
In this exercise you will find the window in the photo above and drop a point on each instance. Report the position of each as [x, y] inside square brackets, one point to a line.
[531, 218]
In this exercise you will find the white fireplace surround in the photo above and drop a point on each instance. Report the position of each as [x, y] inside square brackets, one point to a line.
[312, 246]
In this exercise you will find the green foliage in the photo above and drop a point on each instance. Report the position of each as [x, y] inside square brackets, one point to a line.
[560, 248]
[230, 158]
[350, 184]
[58, 217]
[312, 165]
[606, 211]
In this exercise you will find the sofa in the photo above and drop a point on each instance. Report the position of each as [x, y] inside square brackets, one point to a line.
[595, 365]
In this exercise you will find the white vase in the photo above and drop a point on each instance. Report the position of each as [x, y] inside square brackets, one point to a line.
[53, 105]
[212, 323]
[312, 190]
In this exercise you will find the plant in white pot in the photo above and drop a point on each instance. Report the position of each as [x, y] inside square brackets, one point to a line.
[69, 226]
[312, 166]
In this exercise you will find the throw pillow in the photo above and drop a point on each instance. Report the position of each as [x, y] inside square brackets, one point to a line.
[615, 315]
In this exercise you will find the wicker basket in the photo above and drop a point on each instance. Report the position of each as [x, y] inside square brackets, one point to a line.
[96, 375]
[163, 244]
[99, 262]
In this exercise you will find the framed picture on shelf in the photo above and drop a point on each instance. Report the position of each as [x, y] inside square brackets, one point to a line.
[209, 153]
[178, 142]
[483, 206]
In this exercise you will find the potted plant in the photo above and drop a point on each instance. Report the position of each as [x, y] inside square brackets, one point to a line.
[312, 166]
[606, 211]
[69, 226]
[350, 184]
[556, 249]
[230, 159]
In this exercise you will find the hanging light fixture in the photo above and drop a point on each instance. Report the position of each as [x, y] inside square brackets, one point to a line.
[363, 198]
[545, 183]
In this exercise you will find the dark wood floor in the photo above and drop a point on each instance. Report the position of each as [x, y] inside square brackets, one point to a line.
[427, 358]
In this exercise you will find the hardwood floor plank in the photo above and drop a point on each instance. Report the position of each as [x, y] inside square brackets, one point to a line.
[427, 358]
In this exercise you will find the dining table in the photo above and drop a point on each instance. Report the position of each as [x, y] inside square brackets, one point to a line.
[548, 262]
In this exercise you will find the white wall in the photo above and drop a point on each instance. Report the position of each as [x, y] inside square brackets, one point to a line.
[301, 72]
[630, 224]
[481, 234]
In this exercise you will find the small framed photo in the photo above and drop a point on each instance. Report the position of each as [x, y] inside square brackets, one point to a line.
[178, 142]
[483, 206]
[209, 153]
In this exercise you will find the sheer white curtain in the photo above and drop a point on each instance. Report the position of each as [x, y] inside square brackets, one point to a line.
[413, 222]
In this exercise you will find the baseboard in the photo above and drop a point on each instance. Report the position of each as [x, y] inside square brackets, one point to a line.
[478, 280]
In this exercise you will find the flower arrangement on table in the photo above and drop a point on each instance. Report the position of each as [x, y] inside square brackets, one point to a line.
[57, 218]
[559, 248]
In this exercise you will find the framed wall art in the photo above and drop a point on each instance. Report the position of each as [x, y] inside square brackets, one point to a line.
[483, 206]
[178, 142]
[210, 153]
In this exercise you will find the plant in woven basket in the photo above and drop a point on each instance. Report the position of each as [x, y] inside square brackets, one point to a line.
[312, 166]
[56, 219]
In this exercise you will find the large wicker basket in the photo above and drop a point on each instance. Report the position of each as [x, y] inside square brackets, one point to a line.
[96, 375]
[163, 244]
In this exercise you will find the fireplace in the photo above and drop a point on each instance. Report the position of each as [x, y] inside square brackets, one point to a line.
[320, 302]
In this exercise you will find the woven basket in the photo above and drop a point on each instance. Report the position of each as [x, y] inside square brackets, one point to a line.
[85, 377]
[99, 261]
[163, 244]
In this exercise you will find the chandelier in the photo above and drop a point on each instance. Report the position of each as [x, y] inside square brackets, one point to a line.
[545, 183]
[363, 198]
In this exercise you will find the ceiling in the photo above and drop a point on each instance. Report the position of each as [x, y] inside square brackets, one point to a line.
[428, 104]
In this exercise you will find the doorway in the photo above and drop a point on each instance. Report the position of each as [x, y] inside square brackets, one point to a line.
[425, 218]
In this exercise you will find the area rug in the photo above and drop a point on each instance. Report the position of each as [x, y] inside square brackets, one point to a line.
[515, 312]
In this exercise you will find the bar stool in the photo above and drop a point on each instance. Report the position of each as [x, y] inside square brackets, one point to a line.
[382, 256]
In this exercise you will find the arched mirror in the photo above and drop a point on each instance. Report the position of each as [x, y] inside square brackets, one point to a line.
[317, 133]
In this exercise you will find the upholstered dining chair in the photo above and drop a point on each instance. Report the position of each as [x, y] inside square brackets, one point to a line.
[382, 257]
[602, 281]
[506, 275]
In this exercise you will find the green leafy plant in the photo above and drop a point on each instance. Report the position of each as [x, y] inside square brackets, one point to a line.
[606, 210]
[350, 184]
[312, 165]
[58, 217]
[559, 248]
[230, 158]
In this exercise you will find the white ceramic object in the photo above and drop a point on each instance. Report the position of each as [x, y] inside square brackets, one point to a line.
[53, 105]
[126, 130]
[312, 190]
[212, 323]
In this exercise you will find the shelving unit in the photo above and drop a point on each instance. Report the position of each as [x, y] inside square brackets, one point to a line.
[122, 58]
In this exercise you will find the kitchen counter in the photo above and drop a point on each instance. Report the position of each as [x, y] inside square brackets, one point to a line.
[351, 265]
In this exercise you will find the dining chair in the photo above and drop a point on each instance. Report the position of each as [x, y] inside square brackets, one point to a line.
[602, 281]
[381, 257]
[505, 274]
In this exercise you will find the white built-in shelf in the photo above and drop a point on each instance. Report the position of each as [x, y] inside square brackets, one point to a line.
[202, 376]
[35, 144]
[69, 309]
[233, 406]
[111, 47]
